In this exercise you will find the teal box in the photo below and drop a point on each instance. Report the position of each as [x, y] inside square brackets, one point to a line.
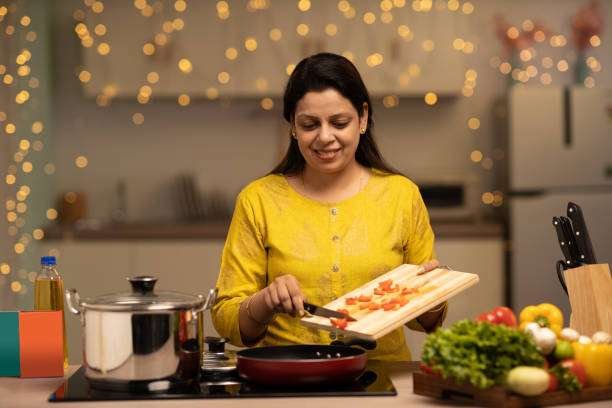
[9, 344]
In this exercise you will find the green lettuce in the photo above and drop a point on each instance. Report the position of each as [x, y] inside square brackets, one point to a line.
[479, 353]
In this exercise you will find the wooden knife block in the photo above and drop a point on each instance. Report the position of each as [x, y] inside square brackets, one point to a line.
[590, 293]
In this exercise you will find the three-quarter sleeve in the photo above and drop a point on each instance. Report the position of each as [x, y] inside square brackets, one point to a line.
[243, 269]
[419, 247]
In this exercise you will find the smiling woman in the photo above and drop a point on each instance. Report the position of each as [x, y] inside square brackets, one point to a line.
[329, 218]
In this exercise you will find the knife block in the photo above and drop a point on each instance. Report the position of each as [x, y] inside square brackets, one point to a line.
[590, 294]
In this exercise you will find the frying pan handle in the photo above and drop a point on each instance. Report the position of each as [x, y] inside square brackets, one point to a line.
[355, 341]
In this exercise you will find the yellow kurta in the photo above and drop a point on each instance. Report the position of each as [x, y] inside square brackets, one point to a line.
[331, 248]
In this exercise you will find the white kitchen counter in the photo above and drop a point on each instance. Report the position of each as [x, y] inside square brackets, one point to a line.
[18, 393]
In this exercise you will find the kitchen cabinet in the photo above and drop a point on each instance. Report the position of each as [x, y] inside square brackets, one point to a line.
[407, 68]
[191, 266]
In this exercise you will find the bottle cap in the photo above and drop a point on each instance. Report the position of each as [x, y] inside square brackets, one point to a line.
[48, 261]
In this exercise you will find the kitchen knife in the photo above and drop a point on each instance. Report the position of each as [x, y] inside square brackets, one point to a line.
[563, 242]
[560, 269]
[571, 242]
[581, 234]
[324, 312]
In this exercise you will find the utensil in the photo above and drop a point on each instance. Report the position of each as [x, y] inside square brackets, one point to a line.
[560, 269]
[581, 233]
[141, 338]
[301, 364]
[324, 312]
[563, 242]
[571, 242]
[412, 295]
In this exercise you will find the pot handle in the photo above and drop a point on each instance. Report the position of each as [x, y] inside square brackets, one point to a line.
[73, 300]
[208, 302]
[211, 298]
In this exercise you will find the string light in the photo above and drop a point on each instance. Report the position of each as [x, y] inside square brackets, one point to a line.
[431, 98]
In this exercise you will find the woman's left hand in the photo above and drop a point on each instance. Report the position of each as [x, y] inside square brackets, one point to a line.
[429, 266]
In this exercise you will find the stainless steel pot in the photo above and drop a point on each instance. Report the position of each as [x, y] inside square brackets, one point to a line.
[142, 338]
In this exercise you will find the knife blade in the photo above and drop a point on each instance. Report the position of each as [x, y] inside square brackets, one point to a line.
[324, 312]
[563, 242]
[581, 234]
[571, 241]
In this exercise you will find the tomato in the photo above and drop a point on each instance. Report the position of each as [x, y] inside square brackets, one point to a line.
[553, 382]
[390, 306]
[408, 291]
[378, 291]
[487, 317]
[339, 323]
[343, 311]
[499, 315]
[351, 301]
[386, 284]
[364, 298]
[504, 315]
[373, 306]
[402, 300]
[428, 370]
[577, 369]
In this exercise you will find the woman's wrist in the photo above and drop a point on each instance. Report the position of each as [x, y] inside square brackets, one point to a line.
[254, 309]
[433, 318]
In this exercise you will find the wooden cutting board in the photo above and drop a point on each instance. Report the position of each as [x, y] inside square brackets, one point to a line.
[425, 292]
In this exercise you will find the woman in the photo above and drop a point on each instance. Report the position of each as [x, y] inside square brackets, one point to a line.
[329, 218]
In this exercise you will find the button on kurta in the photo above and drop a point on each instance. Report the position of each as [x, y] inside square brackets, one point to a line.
[335, 238]
[335, 268]
[334, 211]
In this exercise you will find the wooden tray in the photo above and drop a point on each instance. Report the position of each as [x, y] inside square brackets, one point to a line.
[499, 397]
[434, 288]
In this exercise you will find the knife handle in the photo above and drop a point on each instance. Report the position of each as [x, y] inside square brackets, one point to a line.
[562, 241]
[583, 240]
[576, 256]
[560, 269]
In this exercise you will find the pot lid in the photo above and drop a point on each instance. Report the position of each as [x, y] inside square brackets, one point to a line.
[143, 297]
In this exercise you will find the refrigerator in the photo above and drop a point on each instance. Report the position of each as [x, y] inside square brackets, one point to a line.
[559, 150]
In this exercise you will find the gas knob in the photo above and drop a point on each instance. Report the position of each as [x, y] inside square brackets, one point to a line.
[215, 344]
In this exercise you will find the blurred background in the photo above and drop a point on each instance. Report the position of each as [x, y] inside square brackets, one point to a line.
[127, 128]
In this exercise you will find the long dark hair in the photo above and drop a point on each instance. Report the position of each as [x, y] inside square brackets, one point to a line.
[317, 73]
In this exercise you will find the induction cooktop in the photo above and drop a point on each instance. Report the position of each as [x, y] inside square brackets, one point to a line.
[373, 382]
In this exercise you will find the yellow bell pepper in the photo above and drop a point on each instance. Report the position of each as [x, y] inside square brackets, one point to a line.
[545, 314]
[597, 362]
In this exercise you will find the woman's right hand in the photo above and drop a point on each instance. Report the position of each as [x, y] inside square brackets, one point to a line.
[284, 295]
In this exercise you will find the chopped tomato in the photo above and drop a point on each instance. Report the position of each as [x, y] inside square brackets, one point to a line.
[364, 298]
[373, 306]
[386, 284]
[378, 291]
[409, 291]
[402, 300]
[343, 311]
[389, 306]
[339, 323]
[351, 301]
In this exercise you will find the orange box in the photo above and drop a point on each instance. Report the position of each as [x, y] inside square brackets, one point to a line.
[41, 344]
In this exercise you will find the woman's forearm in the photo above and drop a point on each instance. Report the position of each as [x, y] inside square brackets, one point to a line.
[253, 319]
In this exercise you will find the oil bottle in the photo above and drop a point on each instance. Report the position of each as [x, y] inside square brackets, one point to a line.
[49, 293]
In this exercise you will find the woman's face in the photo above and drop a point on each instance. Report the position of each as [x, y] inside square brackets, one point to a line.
[326, 127]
